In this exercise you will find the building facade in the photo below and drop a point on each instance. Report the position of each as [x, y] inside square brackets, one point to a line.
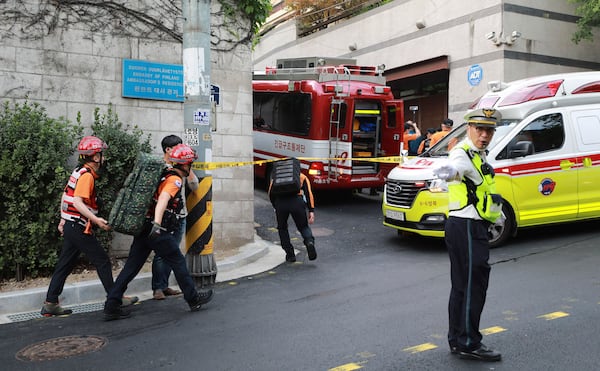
[439, 55]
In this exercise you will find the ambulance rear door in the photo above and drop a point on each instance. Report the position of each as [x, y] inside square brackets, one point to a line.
[586, 128]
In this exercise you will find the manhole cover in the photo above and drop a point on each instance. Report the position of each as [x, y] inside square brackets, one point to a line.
[63, 347]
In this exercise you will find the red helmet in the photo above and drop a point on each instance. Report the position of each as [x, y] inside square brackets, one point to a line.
[90, 145]
[182, 154]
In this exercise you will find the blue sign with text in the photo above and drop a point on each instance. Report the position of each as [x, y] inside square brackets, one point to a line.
[475, 75]
[149, 80]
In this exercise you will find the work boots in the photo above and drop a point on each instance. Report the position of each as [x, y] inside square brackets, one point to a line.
[200, 299]
[53, 309]
[310, 249]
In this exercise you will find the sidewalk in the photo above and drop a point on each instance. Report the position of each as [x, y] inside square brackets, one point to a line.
[253, 258]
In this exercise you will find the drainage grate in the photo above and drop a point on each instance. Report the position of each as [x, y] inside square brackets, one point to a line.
[80, 308]
[60, 348]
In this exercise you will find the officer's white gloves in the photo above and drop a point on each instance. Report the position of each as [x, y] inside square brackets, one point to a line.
[446, 172]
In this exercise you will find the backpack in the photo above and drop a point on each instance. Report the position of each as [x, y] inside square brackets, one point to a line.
[128, 213]
[286, 177]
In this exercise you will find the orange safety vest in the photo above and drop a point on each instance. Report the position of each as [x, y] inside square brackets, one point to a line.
[67, 208]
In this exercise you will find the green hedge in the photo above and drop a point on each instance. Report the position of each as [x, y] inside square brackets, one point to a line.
[36, 158]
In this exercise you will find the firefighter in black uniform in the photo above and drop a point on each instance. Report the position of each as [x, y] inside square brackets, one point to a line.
[473, 206]
[295, 205]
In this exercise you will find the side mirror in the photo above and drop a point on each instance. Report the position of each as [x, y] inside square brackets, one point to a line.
[521, 149]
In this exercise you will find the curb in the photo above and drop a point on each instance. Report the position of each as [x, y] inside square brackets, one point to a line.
[253, 258]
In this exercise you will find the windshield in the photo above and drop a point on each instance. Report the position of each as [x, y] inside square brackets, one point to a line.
[458, 134]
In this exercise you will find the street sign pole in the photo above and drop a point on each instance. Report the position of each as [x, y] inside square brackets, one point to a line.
[197, 109]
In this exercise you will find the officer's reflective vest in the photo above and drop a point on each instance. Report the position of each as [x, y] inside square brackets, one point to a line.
[483, 195]
[67, 208]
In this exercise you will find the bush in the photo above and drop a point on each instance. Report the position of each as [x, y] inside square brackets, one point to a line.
[34, 154]
[34, 150]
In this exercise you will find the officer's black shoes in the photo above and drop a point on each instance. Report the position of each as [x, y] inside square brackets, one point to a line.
[114, 313]
[290, 257]
[202, 298]
[482, 353]
[454, 349]
[310, 248]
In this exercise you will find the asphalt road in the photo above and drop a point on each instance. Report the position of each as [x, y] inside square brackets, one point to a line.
[371, 301]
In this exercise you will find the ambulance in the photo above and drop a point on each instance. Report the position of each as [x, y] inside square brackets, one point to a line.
[545, 153]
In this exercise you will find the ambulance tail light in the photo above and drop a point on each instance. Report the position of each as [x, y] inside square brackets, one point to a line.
[533, 92]
[316, 169]
[592, 87]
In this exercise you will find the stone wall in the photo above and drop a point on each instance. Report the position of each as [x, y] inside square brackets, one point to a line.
[73, 70]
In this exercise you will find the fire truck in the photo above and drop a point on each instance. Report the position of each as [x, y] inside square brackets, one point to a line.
[338, 118]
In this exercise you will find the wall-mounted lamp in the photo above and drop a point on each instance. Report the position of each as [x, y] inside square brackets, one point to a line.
[352, 47]
[420, 24]
[501, 39]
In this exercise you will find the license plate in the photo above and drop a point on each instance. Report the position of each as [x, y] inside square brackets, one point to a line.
[397, 215]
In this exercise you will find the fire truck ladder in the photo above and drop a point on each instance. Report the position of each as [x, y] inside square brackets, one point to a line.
[335, 114]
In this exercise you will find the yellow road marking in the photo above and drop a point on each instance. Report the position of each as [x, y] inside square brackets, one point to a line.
[420, 348]
[346, 367]
[492, 330]
[553, 315]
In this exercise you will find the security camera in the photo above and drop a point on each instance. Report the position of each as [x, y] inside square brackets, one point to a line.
[515, 34]
[490, 35]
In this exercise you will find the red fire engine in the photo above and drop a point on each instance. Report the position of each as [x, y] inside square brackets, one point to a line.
[333, 115]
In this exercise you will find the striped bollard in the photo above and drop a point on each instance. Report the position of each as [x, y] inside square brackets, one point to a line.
[198, 237]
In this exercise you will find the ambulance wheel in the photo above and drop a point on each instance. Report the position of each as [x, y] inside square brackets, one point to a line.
[499, 234]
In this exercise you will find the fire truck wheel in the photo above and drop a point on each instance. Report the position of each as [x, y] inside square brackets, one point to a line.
[501, 233]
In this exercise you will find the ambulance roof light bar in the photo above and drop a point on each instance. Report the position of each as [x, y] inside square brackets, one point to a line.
[533, 92]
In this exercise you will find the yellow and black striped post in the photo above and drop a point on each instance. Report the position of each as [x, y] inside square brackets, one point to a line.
[199, 237]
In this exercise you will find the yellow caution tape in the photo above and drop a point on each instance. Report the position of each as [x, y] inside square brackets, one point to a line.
[221, 165]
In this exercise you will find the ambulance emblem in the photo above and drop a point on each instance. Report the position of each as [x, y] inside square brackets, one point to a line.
[546, 186]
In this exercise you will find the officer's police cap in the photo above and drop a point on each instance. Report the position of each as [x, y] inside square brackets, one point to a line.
[485, 117]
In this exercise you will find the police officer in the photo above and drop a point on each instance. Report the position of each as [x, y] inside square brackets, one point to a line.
[295, 205]
[474, 206]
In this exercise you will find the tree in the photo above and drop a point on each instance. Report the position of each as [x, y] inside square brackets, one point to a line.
[589, 10]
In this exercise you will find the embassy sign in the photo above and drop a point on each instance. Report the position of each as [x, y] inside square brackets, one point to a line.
[149, 80]
[158, 81]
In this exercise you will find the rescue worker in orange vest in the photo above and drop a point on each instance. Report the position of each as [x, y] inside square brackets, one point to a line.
[446, 128]
[159, 235]
[426, 143]
[79, 211]
[295, 205]
[411, 132]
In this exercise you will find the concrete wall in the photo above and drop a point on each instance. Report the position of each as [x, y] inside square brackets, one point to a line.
[453, 28]
[75, 70]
